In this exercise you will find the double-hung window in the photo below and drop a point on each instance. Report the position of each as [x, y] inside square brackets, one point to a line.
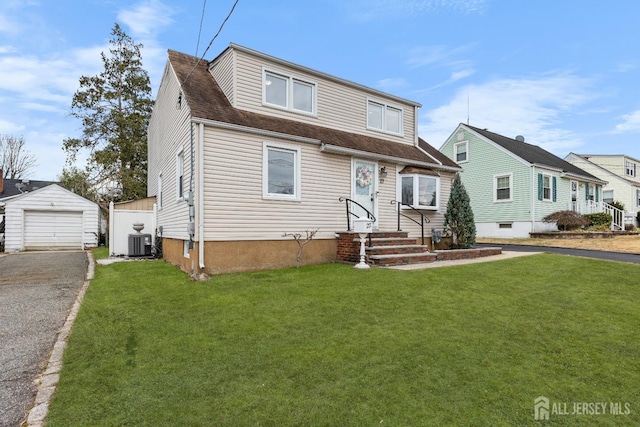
[281, 171]
[180, 175]
[503, 188]
[420, 191]
[630, 169]
[383, 117]
[288, 92]
[461, 152]
[638, 197]
[546, 187]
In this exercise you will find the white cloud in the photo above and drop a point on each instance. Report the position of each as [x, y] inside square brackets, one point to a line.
[533, 107]
[391, 84]
[369, 10]
[437, 55]
[8, 128]
[146, 18]
[630, 123]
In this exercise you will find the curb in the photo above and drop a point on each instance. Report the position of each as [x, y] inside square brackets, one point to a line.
[48, 381]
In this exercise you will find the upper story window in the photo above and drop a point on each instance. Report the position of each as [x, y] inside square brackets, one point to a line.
[384, 117]
[281, 171]
[420, 191]
[461, 151]
[180, 175]
[630, 168]
[288, 92]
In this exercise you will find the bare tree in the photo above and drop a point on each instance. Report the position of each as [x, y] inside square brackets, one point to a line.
[16, 162]
[301, 242]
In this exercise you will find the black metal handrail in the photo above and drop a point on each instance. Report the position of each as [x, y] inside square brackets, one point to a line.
[422, 217]
[347, 203]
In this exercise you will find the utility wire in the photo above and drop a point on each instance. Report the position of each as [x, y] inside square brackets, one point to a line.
[211, 42]
[200, 30]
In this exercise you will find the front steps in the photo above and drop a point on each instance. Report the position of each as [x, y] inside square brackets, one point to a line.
[387, 249]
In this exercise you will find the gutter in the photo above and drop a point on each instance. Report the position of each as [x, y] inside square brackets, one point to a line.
[201, 195]
[365, 154]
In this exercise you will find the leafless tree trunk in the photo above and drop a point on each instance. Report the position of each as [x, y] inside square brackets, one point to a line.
[16, 161]
[298, 238]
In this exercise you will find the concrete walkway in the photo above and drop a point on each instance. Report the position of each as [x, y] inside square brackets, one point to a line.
[436, 264]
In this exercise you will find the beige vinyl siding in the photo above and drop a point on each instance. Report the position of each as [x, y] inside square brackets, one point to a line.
[223, 71]
[339, 106]
[234, 208]
[169, 131]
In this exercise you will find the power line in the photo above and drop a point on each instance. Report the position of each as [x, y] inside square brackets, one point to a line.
[200, 30]
[211, 42]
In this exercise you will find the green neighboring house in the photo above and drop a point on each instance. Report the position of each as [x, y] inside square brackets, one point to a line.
[513, 184]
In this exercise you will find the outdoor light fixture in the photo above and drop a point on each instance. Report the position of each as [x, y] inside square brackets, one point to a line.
[383, 174]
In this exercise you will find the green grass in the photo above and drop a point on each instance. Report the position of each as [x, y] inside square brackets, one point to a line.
[333, 346]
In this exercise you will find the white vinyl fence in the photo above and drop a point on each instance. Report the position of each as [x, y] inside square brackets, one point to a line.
[121, 225]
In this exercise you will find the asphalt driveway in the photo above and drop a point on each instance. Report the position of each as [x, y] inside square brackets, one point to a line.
[37, 290]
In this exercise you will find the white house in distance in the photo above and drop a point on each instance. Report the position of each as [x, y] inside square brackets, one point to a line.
[50, 218]
[620, 172]
[248, 147]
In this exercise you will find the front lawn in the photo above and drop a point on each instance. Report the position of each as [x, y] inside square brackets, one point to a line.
[333, 346]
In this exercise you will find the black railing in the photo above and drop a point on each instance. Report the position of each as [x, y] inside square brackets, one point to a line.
[420, 223]
[350, 213]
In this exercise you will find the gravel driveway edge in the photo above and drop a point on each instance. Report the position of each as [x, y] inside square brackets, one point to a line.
[48, 380]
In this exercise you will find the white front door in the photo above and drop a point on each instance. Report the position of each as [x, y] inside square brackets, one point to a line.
[365, 186]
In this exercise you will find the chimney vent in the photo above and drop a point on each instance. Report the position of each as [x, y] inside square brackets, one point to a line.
[520, 138]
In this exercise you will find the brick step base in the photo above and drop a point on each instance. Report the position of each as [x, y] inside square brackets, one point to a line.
[386, 249]
[401, 259]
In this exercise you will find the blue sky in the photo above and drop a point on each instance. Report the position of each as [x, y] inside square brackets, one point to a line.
[565, 74]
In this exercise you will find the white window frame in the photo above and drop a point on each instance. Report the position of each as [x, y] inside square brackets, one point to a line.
[180, 175]
[416, 190]
[613, 194]
[297, 151]
[630, 168]
[385, 125]
[573, 192]
[495, 187]
[185, 249]
[159, 193]
[291, 79]
[638, 198]
[550, 177]
[466, 151]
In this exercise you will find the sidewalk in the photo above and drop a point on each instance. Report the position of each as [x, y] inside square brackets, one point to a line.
[503, 255]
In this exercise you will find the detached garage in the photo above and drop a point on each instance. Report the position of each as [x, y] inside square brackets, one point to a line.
[50, 218]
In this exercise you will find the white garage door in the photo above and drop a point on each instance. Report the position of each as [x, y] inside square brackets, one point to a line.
[52, 230]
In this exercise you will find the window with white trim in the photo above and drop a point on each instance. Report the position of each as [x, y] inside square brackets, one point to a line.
[630, 168]
[638, 198]
[461, 151]
[159, 198]
[420, 191]
[280, 171]
[180, 175]
[383, 117]
[607, 196]
[546, 187]
[503, 188]
[288, 92]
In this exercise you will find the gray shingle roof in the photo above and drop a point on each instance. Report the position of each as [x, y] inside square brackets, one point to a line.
[13, 187]
[207, 101]
[532, 153]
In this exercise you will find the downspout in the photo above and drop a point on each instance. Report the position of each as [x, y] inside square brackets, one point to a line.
[415, 130]
[534, 188]
[201, 195]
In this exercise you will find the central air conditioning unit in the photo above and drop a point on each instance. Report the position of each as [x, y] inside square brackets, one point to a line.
[139, 244]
